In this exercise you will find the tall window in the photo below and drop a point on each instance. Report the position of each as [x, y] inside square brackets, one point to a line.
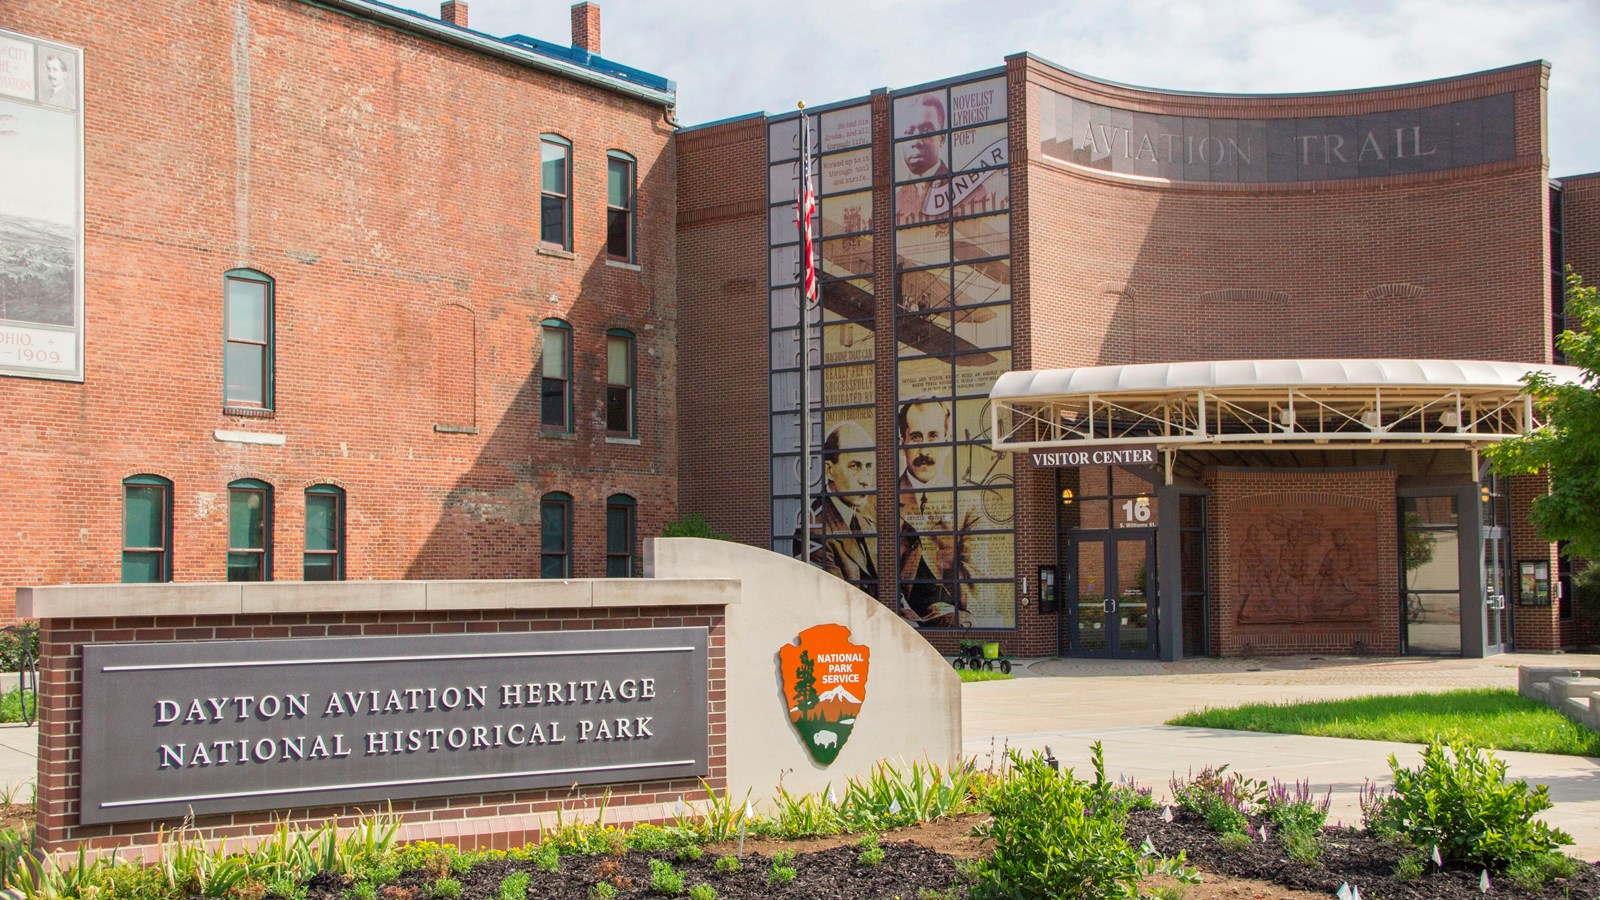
[620, 182]
[619, 536]
[324, 533]
[247, 356]
[555, 191]
[146, 529]
[555, 384]
[249, 530]
[619, 382]
[555, 536]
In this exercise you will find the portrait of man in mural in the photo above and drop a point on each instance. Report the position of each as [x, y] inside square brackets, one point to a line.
[928, 562]
[923, 157]
[846, 514]
[56, 86]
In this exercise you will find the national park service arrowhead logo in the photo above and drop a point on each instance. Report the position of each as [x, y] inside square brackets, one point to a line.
[824, 679]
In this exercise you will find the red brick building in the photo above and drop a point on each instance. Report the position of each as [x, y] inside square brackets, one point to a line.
[364, 294]
[1017, 265]
[333, 290]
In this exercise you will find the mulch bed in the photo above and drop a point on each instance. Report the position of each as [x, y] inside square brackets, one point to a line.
[925, 857]
[832, 874]
[1348, 857]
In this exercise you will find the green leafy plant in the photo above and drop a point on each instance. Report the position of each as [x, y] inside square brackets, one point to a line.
[445, 888]
[1411, 866]
[702, 891]
[727, 865]
[1234, 841]
[1531, 874]
[547, 858]
[514, 886]
[363, 890]
[690, 853]
[285, 889]
[871, 852]
[603, 891]
[1058, 836]
[693, 525]
[1224, 799]
[1299, 817]
[781, 874]
[1460, 801]
[664, 879]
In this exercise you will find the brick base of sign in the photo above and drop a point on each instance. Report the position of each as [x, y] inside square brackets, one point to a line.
[476, 821]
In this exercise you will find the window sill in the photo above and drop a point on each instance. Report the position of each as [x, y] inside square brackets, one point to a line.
[249, 412]
[557, 252]
[615, 439]
[623, 264]
[559, 435]
[455, 429]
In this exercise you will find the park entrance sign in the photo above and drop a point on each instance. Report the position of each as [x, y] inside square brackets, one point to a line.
[213, 727]
[824, 680]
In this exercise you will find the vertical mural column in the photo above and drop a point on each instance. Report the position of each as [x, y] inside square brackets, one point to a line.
[839, 361]
[955, 556]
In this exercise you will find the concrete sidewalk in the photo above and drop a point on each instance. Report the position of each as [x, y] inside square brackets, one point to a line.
[1122, 705]
[19, 760]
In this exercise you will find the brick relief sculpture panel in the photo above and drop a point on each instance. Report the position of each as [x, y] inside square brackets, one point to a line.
[1305, 560]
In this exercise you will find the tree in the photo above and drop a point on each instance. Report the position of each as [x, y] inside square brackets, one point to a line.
[693, 525]
[805, 685]
[1568, 445]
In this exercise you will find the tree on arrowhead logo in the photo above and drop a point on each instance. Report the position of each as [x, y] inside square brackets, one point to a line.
[824, 679]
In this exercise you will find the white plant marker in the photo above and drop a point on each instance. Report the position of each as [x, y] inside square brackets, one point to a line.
[1147, 848]
[748, 811]
[1344, 892]
[894, 808]
[1483, 881]
[1263, 832]
[1166, 814]
[1437, 859]
[833, 799]
[1355, 893]
[678, 809]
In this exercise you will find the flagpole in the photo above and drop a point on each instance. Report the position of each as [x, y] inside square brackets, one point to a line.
[803, 197]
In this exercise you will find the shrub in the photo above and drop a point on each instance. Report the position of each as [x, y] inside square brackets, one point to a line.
[690, 852]
[702, 891]
[781, 875]
[445, 888]
[1459, 801]
[1411, 866]
[1234, 841]
[547, 858]
[11, 643]
[1055, 836]
[727, 865]
[1298, 816]
[664, 879]
[602, 891]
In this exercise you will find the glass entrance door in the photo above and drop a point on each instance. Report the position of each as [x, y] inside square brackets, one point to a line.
[1110, 594]
[1497, 633]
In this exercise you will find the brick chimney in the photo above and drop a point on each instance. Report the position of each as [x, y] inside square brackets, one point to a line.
[586, 27]
[454, 12]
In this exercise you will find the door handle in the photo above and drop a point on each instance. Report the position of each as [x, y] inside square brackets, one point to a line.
[1110, 605]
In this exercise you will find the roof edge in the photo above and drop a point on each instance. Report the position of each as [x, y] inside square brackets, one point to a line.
[479, 42]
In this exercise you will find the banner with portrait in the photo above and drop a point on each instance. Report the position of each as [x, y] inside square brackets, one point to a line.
[41, 208]
[955, 551]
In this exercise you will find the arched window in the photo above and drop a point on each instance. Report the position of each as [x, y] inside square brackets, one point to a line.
[324, 533]
[555, 191]
[555, 535]
[620, 535]
[555, 382]
[619, 383]
[249, 530]
[247, 361]
[621, 181]
[146, 529]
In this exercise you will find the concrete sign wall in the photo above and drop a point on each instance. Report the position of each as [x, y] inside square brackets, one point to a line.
[227, 726]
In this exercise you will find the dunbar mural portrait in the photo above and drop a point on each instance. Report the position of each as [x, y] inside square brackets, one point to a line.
[40, 218]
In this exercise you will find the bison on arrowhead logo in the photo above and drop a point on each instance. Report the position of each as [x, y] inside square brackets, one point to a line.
[824, 679]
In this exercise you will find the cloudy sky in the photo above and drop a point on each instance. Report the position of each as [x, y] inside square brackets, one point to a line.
[731, 58]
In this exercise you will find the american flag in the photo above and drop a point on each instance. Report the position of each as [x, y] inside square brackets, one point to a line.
[805, 211]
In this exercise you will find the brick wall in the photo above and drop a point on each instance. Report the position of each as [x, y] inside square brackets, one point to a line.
[722, 415]
[1580, 197]
[471, 820]
[1290, 520]
[390, 185]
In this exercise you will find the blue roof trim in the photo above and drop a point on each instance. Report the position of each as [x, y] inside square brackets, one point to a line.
[581, 57]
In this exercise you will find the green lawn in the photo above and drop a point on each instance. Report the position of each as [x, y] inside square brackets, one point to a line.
[1495, 718]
